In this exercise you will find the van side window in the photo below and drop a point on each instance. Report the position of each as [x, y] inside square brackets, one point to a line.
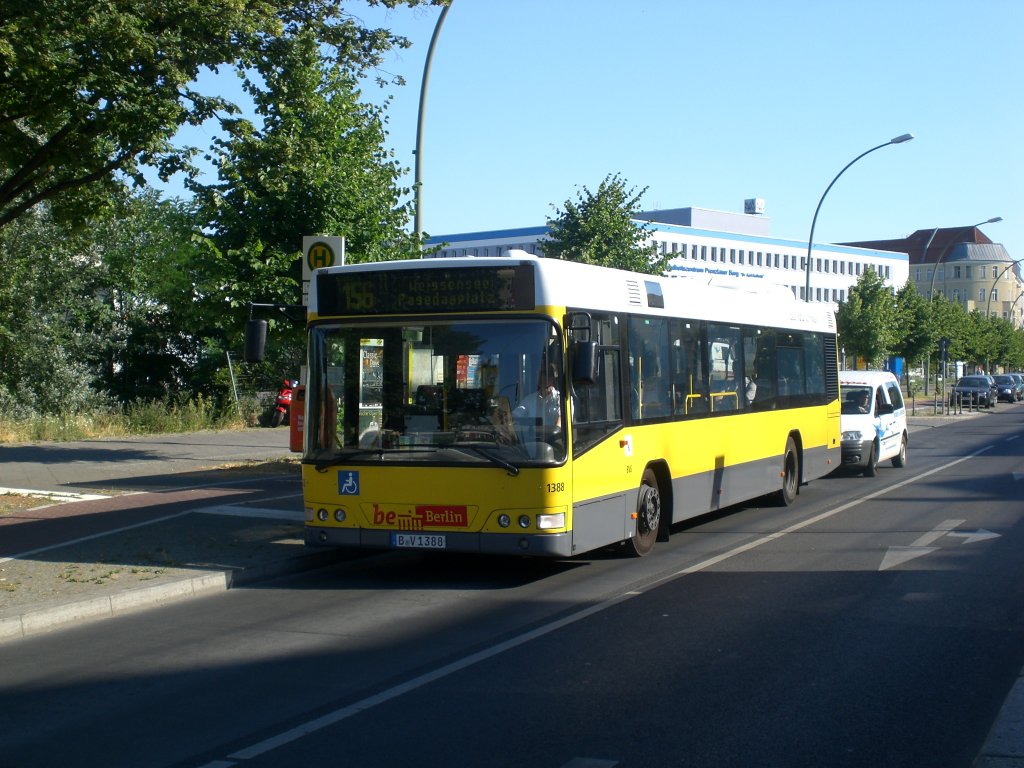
[895, 396]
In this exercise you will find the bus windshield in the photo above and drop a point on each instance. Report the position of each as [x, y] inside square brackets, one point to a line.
[442, 392]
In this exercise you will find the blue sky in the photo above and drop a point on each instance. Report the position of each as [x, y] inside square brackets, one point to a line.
[709, 103]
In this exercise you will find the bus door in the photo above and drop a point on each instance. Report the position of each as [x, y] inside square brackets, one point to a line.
[603, 476]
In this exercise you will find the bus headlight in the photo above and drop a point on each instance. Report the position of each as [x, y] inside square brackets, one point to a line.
[547, 522]
[339, 515]
[504, 521]
[524, 521]
[321, 515]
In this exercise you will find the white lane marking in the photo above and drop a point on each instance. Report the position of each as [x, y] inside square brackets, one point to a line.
[358, 707]
[898, 555]
[970, 537]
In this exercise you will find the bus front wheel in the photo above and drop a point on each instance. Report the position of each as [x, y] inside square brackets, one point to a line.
[790, 475]
[648, 515]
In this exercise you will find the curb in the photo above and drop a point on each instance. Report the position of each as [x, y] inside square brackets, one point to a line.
[40, 619]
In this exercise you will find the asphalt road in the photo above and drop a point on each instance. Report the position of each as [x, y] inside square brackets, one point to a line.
[877, 622]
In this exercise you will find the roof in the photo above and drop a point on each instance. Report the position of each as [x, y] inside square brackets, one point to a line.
[929, 246]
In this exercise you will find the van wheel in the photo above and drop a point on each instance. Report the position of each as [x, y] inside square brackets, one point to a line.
[790, 475]
[900, 459]
[872, 466]
[648, 516]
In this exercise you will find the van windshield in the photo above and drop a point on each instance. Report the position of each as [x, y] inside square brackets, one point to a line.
[856, 399]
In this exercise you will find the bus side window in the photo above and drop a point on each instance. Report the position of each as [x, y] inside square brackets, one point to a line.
[597, 408]
[761, 367]
[728, 384]
[648, 350]
[690, 395]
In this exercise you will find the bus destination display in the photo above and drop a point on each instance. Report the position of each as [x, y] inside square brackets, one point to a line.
[401, 291]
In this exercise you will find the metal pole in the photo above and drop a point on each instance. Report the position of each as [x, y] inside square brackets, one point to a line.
[810, 239]
[418, 184]
[988, 306]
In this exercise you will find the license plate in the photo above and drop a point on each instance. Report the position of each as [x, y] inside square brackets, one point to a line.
[419, 540]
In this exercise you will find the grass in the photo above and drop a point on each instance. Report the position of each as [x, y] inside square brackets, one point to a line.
[16, 502]
[144, 418]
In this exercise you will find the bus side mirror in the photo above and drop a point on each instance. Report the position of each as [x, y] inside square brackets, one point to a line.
[584, 362]
[255, 341]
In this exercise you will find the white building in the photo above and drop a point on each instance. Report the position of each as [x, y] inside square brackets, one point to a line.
[723, 245]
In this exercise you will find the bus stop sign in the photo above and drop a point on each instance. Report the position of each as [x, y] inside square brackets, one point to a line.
[319, 251]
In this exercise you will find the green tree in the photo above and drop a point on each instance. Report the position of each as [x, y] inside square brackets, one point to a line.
[315, 163]
[915, 329]
[153, 326]
[49, 303]
[867, 319]
[92, 90]
[599, 228]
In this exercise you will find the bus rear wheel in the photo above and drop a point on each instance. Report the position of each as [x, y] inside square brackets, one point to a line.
[790, 475]
[648, 516]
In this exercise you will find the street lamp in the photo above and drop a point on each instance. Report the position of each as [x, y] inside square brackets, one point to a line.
[418, 183]
[951, 243]
[810, 239]
[988, 306]
[1014, 304]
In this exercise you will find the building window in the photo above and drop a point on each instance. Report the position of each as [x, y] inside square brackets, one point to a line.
[967, 272]
[928, 275]
[818, 266]
[981, 295]
[817, 292]
[956, 273]
[743, 257]
[981, 272]
[703, 253]
[995, 294]
[732, 255]
[714, 253]
[942, 273]
[888, 272]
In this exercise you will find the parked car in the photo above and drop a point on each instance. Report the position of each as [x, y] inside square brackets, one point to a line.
[1006, 388]
[974, 390]
[873, 420]
[1019, 378]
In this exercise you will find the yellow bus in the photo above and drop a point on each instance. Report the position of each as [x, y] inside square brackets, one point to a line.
[532, 406]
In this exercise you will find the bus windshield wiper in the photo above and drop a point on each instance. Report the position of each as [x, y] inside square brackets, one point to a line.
[508, 466]
[342, 458]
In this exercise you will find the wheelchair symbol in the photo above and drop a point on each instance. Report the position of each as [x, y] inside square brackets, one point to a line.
[350, 485]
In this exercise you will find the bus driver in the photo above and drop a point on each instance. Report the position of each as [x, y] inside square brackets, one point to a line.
[544, 405]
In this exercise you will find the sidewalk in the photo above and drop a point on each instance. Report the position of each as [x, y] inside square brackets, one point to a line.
[159, 519]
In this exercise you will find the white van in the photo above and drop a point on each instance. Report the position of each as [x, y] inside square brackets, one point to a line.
[874, 420]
